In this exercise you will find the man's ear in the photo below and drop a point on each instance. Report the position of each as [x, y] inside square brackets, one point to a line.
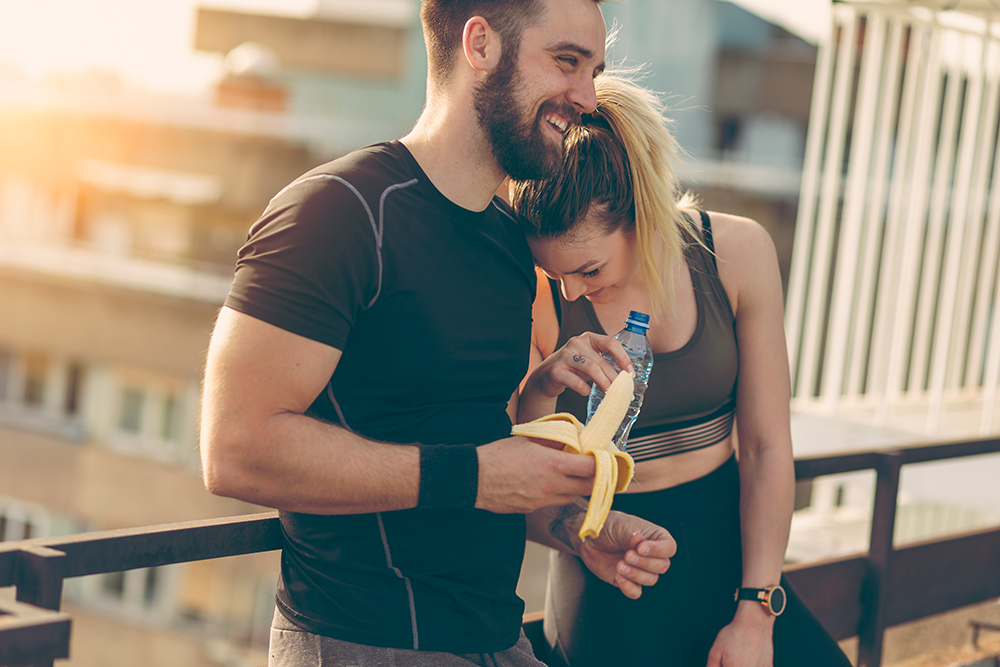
[480, 44]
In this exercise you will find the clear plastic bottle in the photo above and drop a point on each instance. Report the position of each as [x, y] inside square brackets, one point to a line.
[633, 339]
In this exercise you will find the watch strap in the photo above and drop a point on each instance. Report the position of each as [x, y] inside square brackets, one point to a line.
[765, 596]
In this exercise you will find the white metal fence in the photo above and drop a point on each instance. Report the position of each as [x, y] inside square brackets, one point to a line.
[893, 309]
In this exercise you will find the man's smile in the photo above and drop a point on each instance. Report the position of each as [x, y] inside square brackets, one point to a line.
[557, 121]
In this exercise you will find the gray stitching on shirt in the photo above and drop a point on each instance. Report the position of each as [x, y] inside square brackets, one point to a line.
[377, 230]
[409, 589]
[381, 206]
[502, 211]
[380, 230]
[376, 226]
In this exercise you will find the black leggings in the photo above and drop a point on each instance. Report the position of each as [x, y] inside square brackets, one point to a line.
[588, 622]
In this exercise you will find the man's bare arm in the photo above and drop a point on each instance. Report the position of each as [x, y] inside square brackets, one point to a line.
[257, 445]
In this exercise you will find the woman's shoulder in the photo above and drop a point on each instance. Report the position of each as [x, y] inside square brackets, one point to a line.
[736, 238]
[744, 252]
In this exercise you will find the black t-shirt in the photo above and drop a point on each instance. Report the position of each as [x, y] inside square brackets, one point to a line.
[431, 305]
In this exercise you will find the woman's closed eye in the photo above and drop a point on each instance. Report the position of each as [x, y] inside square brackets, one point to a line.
[591, 274]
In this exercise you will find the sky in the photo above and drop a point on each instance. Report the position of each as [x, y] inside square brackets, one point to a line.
[149, 43]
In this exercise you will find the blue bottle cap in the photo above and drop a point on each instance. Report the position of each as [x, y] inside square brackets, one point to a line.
[638, 319]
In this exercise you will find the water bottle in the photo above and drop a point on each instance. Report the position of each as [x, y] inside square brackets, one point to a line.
[633, 339]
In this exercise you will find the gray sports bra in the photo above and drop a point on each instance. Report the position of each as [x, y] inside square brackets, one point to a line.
[690, 399]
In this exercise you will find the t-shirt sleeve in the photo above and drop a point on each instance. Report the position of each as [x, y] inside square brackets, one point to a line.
[311, 262]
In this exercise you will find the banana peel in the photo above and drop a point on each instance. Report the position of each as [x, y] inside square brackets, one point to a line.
[614, 468]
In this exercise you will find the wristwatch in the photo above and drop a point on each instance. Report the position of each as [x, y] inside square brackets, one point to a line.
[771, 598]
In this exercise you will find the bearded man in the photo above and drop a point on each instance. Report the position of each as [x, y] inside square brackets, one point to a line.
[362, 373]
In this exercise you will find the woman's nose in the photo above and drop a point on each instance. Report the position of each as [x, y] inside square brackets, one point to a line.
[573, 288]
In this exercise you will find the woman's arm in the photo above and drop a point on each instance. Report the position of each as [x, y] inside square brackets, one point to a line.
[575, 366]
[749, 270]
[544, 336]
[630, 553]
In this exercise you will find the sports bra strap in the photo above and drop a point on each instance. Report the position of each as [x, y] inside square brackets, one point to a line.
[706, 232]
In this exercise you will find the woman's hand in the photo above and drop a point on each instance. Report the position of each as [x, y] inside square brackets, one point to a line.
[576, 365]
[630, 553]
[747, 641]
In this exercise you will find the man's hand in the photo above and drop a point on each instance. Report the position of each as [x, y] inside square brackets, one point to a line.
[630, 553]
[517, 475]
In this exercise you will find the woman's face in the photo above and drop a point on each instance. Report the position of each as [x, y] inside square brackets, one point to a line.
[587, 261]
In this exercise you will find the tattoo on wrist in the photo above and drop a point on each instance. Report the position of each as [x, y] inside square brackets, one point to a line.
[560, 528]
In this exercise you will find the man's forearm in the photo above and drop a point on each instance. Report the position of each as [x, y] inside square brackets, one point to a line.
[296, 463]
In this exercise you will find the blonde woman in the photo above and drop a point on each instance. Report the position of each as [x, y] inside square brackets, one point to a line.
[612, 233]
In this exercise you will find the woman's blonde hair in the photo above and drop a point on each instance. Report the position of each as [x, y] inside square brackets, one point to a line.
[620, 159]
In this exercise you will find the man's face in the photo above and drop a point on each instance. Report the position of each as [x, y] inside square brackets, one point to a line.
[535, 93]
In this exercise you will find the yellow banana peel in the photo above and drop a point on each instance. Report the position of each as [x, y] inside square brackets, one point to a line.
[614, 467]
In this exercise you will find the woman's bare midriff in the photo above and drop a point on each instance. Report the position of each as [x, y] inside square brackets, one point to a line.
[675, 470]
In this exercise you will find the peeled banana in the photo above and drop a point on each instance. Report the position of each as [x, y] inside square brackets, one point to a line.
[614, 467]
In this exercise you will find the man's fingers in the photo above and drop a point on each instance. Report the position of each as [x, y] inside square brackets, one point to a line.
[575, 465]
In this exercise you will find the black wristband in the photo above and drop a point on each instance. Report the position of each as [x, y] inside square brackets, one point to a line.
[449, 477]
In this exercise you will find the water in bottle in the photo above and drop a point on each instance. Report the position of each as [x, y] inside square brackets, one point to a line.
[633, 339]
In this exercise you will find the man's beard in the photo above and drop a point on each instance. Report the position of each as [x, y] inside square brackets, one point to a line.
[518, 145]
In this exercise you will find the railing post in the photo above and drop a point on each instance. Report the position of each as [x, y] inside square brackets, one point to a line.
[872, 627]
[39, 576]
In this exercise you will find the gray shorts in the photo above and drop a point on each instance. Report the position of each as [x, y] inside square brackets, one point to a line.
[291, 646]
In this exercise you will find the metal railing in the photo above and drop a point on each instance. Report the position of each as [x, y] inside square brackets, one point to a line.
[858, 595]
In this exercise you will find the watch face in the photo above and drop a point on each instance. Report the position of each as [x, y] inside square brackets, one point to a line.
[777, 600]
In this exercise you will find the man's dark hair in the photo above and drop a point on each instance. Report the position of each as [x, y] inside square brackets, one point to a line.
[444, 20]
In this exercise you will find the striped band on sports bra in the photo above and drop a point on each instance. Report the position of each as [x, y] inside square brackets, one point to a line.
[683, 437]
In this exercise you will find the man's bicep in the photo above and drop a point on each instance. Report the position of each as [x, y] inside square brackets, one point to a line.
[253, 365]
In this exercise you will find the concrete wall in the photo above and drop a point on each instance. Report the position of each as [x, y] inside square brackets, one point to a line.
[104, 324]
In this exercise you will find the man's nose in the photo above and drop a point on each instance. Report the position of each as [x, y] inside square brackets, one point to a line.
[582, 95]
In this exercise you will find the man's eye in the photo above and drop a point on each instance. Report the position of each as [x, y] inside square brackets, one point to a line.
[569, 60]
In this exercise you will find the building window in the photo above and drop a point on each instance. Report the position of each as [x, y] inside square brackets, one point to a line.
[22, 521]
[149, 587]
[42, 392]
[168, 426]
[16, 526]
[151, 416]
[74, 382]
[6, 372]
[130, 414]
[141, 591]
[729, 134]
[113, 584]
[36, 370]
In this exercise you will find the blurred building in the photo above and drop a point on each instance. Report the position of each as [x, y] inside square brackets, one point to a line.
[120, 217]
